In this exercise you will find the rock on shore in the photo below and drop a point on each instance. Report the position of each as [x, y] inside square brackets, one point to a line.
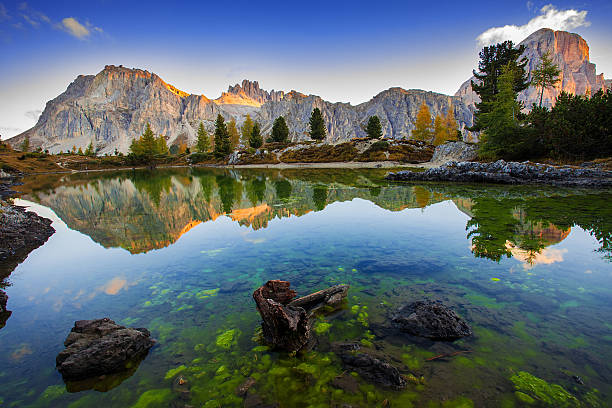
[21, 232]
[98, 347]
[502, 172]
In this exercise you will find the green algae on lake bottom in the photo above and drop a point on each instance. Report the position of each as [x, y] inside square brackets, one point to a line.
[527, 279]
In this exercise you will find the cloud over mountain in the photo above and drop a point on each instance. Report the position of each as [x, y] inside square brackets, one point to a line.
[550, 17]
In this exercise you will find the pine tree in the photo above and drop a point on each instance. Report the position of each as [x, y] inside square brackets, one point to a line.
[374, 128]
[280, 131]
[233, 133]
[80, 152]
[493, 59]
[247, 130]
[546, 75]
[90, 149]
[222, 140]
[317, 125]
[422, 130]
[25, 145]
[502, 134]
[255, 139]
[161, 146]
[203, 143]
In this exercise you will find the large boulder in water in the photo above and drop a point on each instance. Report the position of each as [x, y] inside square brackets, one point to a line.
[97, 347]
[430, 319]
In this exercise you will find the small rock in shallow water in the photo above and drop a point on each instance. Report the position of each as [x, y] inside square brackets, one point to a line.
[372, 367]
[97, 347]
[430, 319]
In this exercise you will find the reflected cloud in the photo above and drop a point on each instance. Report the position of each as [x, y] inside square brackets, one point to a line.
[532, 258]
[114, 286]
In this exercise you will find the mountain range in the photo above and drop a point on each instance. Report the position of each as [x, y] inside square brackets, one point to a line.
[112, 107]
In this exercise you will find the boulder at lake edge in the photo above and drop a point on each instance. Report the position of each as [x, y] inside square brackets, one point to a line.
[97, 347]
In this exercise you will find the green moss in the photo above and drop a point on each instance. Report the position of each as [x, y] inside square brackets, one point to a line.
[154, 398]
[366, 343]
[50, 393]
[537, 388]
[227, 339]
[482, 300]
[521, 396]
[321, 327]
[173, 372]
[306, 368]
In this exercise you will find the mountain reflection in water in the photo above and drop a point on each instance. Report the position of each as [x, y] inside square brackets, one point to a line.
[142, 210]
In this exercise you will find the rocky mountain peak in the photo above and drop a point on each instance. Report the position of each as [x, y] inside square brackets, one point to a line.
[569, 51]
[249, 93]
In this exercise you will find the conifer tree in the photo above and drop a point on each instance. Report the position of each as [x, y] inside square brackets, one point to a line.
[90, 149]
[280, 131]
[374, 128]
[502, 134]
[247, 129]
[546, 75]
[25, 145]
[203, 142]
[233, 133]
[222, 140]
[422, 130]
[317, 125]
[492, 60]
[440, 131]
[255, 139]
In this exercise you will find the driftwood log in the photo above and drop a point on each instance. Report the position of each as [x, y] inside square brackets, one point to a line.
[286, 322]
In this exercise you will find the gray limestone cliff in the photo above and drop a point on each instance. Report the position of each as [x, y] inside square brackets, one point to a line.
[113, 107]
[570, 52]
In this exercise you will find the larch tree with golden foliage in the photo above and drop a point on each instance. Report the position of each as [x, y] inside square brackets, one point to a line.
[423, 129]
[234, 136]
[445, 128]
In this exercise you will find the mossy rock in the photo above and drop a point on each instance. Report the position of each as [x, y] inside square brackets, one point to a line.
[550, 394]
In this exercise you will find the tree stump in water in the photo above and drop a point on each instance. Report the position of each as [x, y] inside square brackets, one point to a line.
[286, 323]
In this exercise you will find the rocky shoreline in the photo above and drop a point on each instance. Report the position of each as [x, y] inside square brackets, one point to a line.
[502, 172]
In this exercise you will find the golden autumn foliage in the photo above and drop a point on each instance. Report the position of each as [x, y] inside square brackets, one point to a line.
[445, 128]
[423, 129]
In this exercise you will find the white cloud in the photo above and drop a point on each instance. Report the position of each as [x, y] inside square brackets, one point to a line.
[549, 17]
[31, 21]
[74, 28]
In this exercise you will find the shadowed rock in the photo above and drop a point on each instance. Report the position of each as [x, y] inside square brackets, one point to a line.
[430, 319]
[502, 172]
[286, 324]
[4, 314]
[372, 367]
[98, 347]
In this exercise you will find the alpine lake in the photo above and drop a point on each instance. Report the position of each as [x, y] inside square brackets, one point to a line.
[180, 252]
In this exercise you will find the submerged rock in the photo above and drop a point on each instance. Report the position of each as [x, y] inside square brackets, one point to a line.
[430, 319]
[286, 323]
[98, 347]
[502, 172]
[369, 366]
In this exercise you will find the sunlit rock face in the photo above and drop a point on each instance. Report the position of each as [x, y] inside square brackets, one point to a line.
[113, 107]
[570, 52]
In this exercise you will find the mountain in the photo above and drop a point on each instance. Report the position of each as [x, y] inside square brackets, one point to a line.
[111, 108]
[570, 52]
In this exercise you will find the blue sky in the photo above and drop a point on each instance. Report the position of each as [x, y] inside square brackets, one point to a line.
[342, 51]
